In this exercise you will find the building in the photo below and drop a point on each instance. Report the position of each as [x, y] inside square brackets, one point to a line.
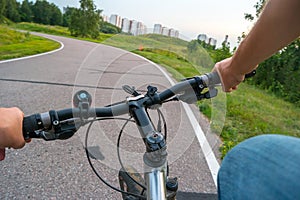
[157, 29]
[141, 28]
[105, 18]
[171, 32]
[133, 27]
[116, 20]
[125, 25]
[226, 40]
[202, 37]
[165, 31]
[212, 42]
[177, 34]
[138, 28]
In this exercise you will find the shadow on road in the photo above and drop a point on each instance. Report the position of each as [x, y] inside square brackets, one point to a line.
[195, 196]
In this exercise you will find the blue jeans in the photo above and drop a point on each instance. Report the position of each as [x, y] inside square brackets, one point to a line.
[263, 167]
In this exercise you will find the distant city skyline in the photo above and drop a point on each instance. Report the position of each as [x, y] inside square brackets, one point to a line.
[215, 18]
[139, 28]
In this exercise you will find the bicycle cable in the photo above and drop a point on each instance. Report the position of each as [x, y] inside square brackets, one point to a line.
[92, 166]
[120, 160]
[160, 115]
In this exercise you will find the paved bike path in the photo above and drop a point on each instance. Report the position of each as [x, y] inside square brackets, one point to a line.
[59, 169]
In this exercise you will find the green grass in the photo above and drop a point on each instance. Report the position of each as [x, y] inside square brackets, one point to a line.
[250, 111]
[14, 44]
[165, 51]
[181, 67]
[55, 30]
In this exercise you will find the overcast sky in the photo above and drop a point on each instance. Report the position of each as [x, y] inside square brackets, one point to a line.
[216, 18]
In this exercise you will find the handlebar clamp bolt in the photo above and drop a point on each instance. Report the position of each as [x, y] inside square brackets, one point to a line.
[56, 123]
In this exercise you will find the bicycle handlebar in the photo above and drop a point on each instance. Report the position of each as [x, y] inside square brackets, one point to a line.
[64, 122]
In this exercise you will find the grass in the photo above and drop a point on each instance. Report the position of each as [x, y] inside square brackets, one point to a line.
[236, 116]
[14, 44]
[251, 112]
[181, 67]
[55, 30]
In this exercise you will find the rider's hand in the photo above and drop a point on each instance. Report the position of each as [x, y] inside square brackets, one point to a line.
[230, 78]
[11, 134]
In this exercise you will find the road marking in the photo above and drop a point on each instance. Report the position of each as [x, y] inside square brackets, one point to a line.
[205, 146]
[37, 55]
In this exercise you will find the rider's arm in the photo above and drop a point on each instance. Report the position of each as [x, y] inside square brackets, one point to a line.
[11, 134]
[278, 25]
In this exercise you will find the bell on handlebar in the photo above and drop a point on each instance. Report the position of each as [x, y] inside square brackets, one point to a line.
[82, 99]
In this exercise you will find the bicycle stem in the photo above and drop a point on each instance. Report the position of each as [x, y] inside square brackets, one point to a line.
[155, 157]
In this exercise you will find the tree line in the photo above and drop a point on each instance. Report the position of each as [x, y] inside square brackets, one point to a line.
[85, 21]
[41, 12]
[280, 74]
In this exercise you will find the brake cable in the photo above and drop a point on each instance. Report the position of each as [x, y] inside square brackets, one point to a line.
[92, 166]
[161, 116]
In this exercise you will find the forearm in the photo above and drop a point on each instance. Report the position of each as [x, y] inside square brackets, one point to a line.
[278, 25]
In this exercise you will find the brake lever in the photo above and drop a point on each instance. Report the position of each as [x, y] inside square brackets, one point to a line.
[130, 90]
[60, 130]
[211, 93]
[48, 136]
[190, 96]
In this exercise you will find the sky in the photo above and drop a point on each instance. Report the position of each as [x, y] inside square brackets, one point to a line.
[215, 18]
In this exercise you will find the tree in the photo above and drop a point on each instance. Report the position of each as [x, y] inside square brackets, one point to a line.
[85, 21]
[41, 12]
[56, 17]
[258, 8]
[193, 46]
[11, 10]
[217, 54]
[2, 8]
[26, 11]
[46, 13]
[68, 11]
[280, 74]
[109, 28]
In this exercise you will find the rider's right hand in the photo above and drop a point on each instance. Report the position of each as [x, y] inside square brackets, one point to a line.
[230, 78]
[11, 134]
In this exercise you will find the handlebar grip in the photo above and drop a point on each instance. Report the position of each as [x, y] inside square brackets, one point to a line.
[213, 78]
[30, 125]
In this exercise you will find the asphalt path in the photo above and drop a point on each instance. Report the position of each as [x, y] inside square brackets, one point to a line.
[59, 169]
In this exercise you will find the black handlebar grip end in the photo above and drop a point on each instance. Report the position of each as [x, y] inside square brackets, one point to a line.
[251, 74]
[30, 126]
